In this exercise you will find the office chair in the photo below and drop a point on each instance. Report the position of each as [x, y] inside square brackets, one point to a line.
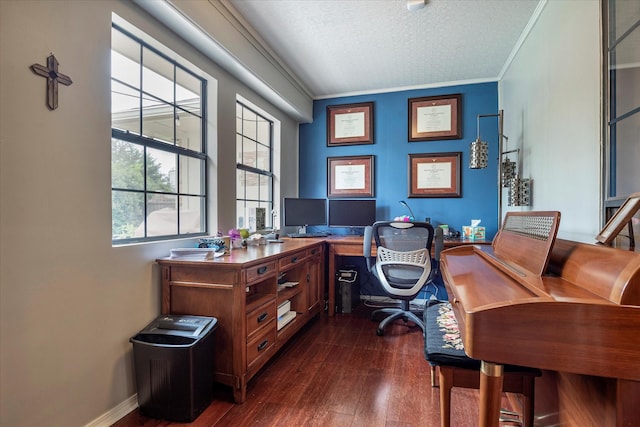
[402, 266]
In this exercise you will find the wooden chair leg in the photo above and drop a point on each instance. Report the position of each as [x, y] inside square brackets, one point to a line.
[434, 382]
[528, 391]
[446, 384]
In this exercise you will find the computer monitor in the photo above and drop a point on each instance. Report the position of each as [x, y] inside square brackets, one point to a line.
[352, 213]
[301, 212]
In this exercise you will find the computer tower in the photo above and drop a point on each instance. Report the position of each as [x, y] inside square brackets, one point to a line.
[348, 289]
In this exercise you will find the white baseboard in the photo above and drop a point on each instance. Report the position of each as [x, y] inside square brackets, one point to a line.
[115, 414]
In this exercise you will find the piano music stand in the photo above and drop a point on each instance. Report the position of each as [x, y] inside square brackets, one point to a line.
[616, 223]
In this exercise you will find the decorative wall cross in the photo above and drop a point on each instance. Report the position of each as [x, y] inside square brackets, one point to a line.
[50, 72]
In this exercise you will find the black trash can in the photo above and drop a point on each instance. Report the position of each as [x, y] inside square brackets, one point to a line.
[173, 358]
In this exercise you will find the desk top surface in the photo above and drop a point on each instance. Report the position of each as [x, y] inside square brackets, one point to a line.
[262, 253]
[357, 240]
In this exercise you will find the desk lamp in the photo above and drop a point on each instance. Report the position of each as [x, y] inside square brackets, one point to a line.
[403, 203]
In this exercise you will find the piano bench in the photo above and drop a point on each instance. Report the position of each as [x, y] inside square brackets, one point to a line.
[443, 349]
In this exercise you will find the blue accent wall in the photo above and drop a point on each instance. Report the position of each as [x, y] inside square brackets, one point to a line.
[391, 149]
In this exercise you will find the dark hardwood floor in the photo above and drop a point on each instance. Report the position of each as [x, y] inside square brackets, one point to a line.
[338, 372]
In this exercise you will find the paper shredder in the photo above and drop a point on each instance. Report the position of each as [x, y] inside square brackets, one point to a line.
[173, 361]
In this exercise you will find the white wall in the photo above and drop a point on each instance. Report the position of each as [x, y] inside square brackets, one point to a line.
[551, 97]
[69, 301]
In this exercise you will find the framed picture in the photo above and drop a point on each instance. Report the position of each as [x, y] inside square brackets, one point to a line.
[350, 124]
[619, 220]
[350, 176]
[435, 117]
[434, 175]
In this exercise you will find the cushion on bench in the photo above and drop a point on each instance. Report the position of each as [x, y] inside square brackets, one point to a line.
[442, 341]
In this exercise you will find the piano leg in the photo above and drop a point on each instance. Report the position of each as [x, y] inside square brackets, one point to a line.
[491, 377]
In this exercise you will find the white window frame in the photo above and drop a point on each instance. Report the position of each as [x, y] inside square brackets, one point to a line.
[197, 153]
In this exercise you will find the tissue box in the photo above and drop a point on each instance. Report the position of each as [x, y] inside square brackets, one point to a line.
[473, 233]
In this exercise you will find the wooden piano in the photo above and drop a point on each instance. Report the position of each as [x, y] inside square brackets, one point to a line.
[569, 308]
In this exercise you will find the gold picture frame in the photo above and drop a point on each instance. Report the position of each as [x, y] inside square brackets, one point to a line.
[434, 175]
[350, 124]
[350, 176]
[435, 117]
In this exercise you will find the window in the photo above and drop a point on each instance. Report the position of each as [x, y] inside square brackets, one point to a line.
[158, 158]
[621, 19]
[254, 169]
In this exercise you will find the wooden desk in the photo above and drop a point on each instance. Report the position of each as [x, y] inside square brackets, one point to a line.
[339, 246]
[241, 290]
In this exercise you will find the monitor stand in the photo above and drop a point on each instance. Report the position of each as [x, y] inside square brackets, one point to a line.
[302, 229]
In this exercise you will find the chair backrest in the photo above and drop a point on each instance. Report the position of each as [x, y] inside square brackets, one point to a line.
[403, 236]
[403, 263]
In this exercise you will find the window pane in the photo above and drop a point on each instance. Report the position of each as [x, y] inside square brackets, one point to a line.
[158, 122]
[627, 81]
[250, 215]
[157, 76]
[161, 170]
[127, 214]
[263, 160]
[240, 184]
[249, 120]
[189, 131]
[188, 92]
[265, 188]
[191, 214]
[249, 148]
[162, 217]
[125, 108]
[191, 176]
[238, 148]
[239, 110]
[264, 132]
[240, 218]
[252, 185]
[127, 165]
[626, 14]
[125, 59]
[627, 155]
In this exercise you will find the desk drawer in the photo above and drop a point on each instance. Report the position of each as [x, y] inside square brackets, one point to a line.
[262, 271]
[260, 317]
[261, 343]
[292, 259]
[315, 250]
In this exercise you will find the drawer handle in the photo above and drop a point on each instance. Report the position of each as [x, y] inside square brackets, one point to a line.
[294, 260]
[262, 269]
[262, 345]
[262, 317]
[314, 251]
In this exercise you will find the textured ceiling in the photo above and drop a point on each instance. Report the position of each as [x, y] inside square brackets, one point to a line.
[341, 47]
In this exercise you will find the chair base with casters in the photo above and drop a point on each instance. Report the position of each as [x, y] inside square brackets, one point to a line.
[403, 312]
[444, 351]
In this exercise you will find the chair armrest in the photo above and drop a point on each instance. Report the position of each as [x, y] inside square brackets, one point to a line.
[366, 246]
[439, 243]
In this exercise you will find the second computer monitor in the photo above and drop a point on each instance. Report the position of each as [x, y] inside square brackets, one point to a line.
[352, 213]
